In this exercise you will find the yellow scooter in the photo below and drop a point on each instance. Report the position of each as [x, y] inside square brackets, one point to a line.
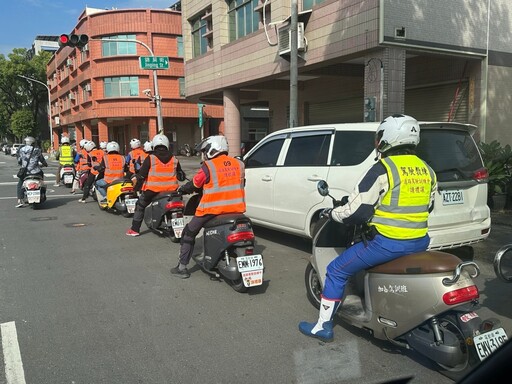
[120, 197]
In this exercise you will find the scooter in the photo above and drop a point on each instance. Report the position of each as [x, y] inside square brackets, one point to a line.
[67, 175]
[185, 150]
[228, 249]
[426, 302]
[120, 198]
[165, 215]
[34, 190]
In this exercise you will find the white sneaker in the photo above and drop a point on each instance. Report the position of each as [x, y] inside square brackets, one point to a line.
[82, 201]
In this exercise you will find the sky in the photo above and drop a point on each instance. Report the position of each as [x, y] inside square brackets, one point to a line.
[22, 20]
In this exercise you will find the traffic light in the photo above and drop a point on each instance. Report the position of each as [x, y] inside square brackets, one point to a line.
[73, 40]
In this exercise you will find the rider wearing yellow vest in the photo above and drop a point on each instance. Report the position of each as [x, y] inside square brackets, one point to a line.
[159, 173]
[66, 157]
[394, 199]
[111, 168]
[222, 179]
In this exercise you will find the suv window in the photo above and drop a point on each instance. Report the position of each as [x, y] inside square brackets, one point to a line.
[266, 155]
[452, 154]
[308, 150]
[352, 147]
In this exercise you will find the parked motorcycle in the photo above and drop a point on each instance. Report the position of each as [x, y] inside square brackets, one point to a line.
[120, 198]
[165, 215]
[503, 263]
[185, 150]
[426, 302]
[228, 249]
[67, 175]
[34, 190]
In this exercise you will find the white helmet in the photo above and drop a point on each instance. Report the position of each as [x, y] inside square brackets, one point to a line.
[160, 140]
[64, 140]
[397, 131]
[134, 143]
[29, 140]
[82, 142]
[213, 146]
[148, 147]
[103, 145]
[112, 147]
[89, 146]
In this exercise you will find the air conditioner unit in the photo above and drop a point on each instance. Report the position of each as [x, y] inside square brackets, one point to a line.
[57, 120]
[285, 38]
[71, 96]
[87, 87]
[85, 48]
[69, 62]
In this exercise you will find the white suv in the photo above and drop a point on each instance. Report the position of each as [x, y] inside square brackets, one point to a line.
[282, 171]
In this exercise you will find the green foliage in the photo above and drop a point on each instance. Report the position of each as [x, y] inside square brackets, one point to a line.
[22, 123]
[498, 161]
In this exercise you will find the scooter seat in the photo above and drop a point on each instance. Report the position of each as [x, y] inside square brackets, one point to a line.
[419, 263]
[164, 195]
[228, 218]
[118, 181]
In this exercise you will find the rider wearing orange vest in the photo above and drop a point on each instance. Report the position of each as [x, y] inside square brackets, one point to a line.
[94, 158]
[111, 168]
[159, 172]
[222, 179]
[135, 157]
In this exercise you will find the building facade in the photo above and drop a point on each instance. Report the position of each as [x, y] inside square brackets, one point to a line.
[358, 60]
[100, 92]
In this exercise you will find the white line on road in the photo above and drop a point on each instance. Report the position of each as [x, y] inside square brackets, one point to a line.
[73, 196]
[14, 373]
[45, 175]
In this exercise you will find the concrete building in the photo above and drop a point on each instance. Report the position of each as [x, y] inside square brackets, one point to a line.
[101, 93]
[358, 60]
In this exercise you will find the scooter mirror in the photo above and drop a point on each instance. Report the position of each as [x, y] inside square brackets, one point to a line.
[323, 188]
[503, 263]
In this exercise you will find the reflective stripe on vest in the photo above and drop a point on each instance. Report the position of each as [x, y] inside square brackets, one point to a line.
[65, 155]
[403, 212]
[224, 193]
[98, 154]
[161, 176]
[114, 167]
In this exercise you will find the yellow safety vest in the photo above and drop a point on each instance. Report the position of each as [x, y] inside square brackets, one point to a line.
[65, 155]
[403, 212]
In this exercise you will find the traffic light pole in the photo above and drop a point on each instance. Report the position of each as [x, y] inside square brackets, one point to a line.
[157, 98]
[49, 105]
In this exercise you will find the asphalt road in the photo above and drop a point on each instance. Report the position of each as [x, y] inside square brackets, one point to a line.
[82, 303]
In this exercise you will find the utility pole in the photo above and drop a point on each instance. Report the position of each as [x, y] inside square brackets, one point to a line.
[49, 105]
[294, 64]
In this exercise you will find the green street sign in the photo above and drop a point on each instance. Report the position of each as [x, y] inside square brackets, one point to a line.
[154, 62]
[200, 115]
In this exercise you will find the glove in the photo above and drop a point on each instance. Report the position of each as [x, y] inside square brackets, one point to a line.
[342, 202]
[96, 167]
[326, 213]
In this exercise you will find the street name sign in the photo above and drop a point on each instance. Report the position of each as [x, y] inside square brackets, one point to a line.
[154, 62]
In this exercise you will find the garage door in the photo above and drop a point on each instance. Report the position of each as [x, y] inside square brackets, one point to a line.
[435, 102]
[337, 111]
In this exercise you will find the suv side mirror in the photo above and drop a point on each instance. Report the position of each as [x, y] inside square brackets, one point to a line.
[322, 188]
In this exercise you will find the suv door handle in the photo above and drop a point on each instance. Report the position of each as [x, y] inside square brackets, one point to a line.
[314, 178]
[266, 178]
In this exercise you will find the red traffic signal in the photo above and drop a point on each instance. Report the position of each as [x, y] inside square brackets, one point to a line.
[73, 40]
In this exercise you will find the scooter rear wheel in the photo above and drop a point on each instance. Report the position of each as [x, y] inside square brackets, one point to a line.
[238, 285]
[313, 286]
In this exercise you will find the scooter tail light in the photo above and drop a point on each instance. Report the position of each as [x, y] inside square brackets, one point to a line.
[240, 236]
[174, 205]
[126, 189]
[32, 186]
[461, 295]
[249, 251]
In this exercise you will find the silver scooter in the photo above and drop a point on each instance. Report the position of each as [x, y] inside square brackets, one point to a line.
[426, 302]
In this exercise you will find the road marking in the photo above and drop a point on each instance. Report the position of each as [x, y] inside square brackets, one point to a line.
[45, 175]
[49, 196]
[14, 373]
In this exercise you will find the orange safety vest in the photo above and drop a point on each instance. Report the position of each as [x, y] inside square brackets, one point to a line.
[98, 154]
[224, 192]
[114, 167]
[136, 154]
[82, 162]
[161, 176]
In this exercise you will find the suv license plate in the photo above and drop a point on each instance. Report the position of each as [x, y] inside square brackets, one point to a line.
[487, 343]
[452, 197]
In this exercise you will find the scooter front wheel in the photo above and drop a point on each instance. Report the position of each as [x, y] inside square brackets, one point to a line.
[313, 286]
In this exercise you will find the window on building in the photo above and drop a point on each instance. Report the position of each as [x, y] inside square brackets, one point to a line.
[308, 4]
[199, 41]
[111, 47]
[124, 86]
[243, 19]
[182, 87]
[179, 40]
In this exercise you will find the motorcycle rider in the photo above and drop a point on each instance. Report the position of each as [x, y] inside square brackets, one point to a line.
[94, 158]
[134, 158]
[103, 147]
[65, 155]
[29, 156]
[222, 179]
[394, 198]
[81, 165]
[148, 148]
[111, 168]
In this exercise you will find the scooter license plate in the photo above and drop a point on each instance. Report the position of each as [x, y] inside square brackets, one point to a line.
[177, 225]
[34, 196]
[68, 179]
[130, 205]
[251, 269]
[487, 343]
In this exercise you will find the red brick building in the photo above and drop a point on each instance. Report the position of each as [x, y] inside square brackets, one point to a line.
[100, 92]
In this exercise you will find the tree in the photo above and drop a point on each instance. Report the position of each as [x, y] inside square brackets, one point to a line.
[22, 123]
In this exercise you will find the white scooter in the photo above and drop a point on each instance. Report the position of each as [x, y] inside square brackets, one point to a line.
[34, 190]
[67, 175]
[426, 302]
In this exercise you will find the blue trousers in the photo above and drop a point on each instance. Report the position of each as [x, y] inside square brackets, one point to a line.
[101, 186]
[358, 257]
